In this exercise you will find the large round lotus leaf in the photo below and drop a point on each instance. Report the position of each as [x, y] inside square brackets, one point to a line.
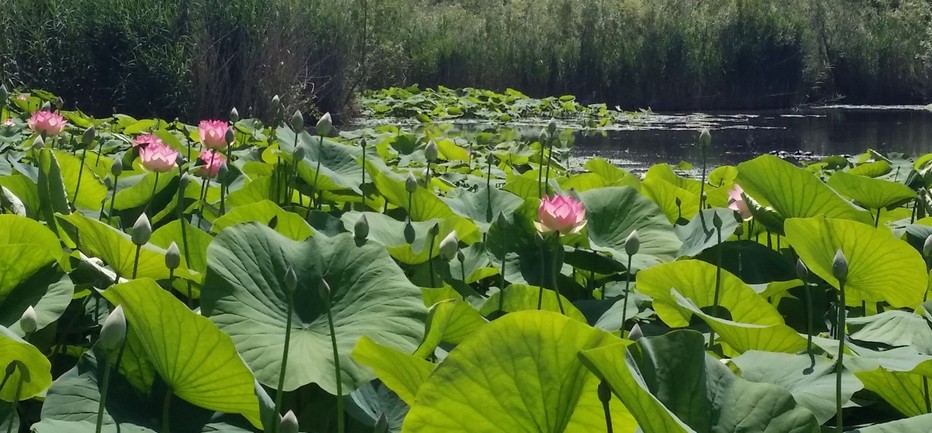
[33, 371]
[520, 373]
[92, 191]
[871, 193]
[613, 213]
[794, 192]
[880, 267]
[695, 280]
[21, 230]
[243, 294]
[194, 358]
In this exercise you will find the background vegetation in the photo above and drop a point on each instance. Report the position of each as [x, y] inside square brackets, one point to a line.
[195, 58]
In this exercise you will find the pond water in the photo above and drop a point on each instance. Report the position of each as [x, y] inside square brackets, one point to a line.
[736, 137]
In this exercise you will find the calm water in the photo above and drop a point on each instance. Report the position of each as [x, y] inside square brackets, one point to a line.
[740, 136]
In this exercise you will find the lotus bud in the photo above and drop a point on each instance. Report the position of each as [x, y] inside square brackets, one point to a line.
[927, 247]
[434, 230]
[291, 281]
[172, 256]
[324, 289]
[502, 219]
[552, 126]
[277, 105]
[840, 266]
[449, 246]
[116, 169]
[739, 230]
[705, 138]
[38, 143]
[802, 272]
[409, 231]
[142, 230]
[324, 125]
[4, 94]
[635, 333]
[222, 172]
[289, 423]
[362, 143]
[299, 153]
[361, 228]
[234, 115]
[632, 243]
[88, 137]
[678, 202]
[108, 182]
[297, 121]
[46, 106]
[717, 221]
[605, 392]
[381, 425]
[113, 333]
[11, 367]
[431, 152]
[230, 136]
[410, 183]
[490, 157]
[29, 322]
[460, 256]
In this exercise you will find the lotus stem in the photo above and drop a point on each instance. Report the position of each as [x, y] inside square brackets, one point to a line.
[281, 374]
[877, 219]
[808, 295]
[105, 387]
[361, 185]
[166, 411]
[341, 428]
[430, 259]
[556, 271]
[314, 191]
[549, 162]
[605, 396]
[80, 175]
[718, 282]
[624, 310]
[112, 200]
[136, 260]
[839, 366]
[202, 198]
[100, 150]
[543, 270]
[19, 388]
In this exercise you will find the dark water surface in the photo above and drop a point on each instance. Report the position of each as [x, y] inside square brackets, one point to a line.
[736, 137]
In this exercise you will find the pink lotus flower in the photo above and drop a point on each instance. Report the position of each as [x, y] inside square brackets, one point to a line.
[209, 163]
[158, 157]
[736, 202]
[47, 123]
[9, 122]
[145, 140]
[213, 133]
[563, 214]
[22, 96]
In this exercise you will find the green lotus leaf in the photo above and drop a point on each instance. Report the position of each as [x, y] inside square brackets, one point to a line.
[522, 297]
[811, 379]
[666, 195]
[613, 213]
[287, 223]
[916, 424]
[48, 290]
[871, 193]
[143, 186]
[612, 175]
[243, 294]
[893, 328]
[483, 206]
[21, 230]
[449, 321]
[402, 373]
[794, 192]
[695, 280]
[9, 419]
[904, 390]
[38, 371]
[871, 169]
[197, 361]
[880, 267]
[752, 262]
[389, 232]
[692, 391]
[424, 205]
[530, 353]
[52, 196]
[701, 233]
[339, 165]
[25, 190]
[92, 191]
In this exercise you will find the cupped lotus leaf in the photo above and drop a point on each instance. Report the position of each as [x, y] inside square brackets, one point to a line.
[811, 379]
[723, 176]
[423, 205]
[794, 192]
[895, 328]
[33, 374]
[92, 191]
[675, 202]
[692, 391]
[871, 193]
[449, 321]
[612, 175]
[613, 213]
[339, 166]
[522, 297]
[871, 169]
[700, 233]
[695, 280]
[742, 337]
[52, 196]
[287, 223]
[483, 206]
[880, 267]
[401, 372]
[48, 290]
[485, 383]
[243, 294]
[25, 190]
[389, 232]
[197, 361]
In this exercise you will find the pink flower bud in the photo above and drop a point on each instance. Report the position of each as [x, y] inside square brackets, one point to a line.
[47, 123]
[213, 133]
[209, 163]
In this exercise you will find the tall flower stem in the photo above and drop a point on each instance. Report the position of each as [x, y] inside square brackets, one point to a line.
[80, 174]
[718, 282]
[166, 411]
[549, 163]
[605, 396]
[624, 306]
[336, 362]
[104, 388]
[281, 374]
[839, 366]
[204, 184]
[362, 185]
[19, 388]
[136, 260]
[315, 195]
[556, 270]
[112, 200]
[430, 259]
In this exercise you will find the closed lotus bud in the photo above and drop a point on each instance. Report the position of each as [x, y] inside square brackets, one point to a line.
[552, 126]
[324, 289]
[604, 392]
[381, 425]
[449, 246]
[172, 256]
[678, 202]
[716, 221]
[289, 423]
[802, 272]
[113, 333]
[632, 243]
[460, 256]
[297, 121]
[116, 169]
[142, 230]
[409, 231]
[431, 152]
[4, 94]
[434, 231]
[840, 266]
[29, 322]
[361, 228]
[46, 106]
[230, 136]
[362, 143]
[88, 137]
[324, 125]
[705, 138]
[277, 105]
[635, 333]
[739, 230]
[38, 143]
[108, 182]
[299, 153]
[11, 367]
[291, 281]
[927, 247]
[543, 138]
[234, 115]
[410, 183]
